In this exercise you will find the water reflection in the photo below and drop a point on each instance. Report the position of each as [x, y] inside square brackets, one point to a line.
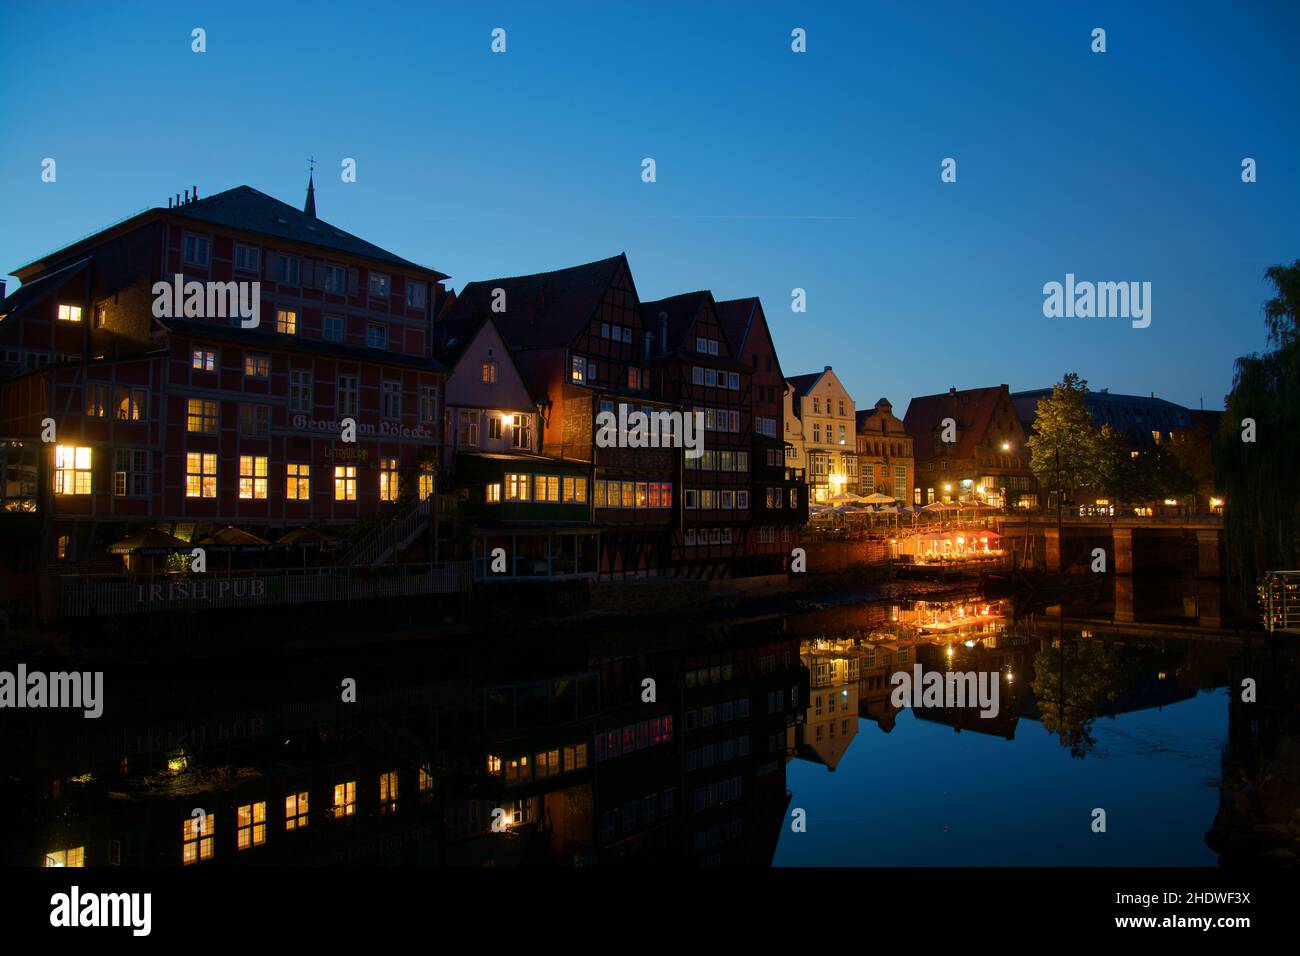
[685, 746]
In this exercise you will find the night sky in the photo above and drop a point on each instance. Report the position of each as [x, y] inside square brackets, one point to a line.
[775, 170]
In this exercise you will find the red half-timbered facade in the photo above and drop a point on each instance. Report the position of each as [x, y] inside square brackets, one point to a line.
[178, 412]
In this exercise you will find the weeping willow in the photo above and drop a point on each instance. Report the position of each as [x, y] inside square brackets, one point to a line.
[1260, 479]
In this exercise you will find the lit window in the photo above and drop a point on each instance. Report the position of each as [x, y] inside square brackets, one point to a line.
[425, 781]
[97, 401]
[388, 480]
[130, 404]
[345, 799]
[494, 493]
[61, 547]
[489, 373]
[345, 482]
[251, 826]
[69, 313]
[286, 321]
[297, 482]
[200, 474]
[295, 811]
[204, 360]
[257, 365]
[73, 857]
[387, 793]
[252, 476]
[201, 415]
[579, 372]
[516, 487]
[198, 842]
[72, 470]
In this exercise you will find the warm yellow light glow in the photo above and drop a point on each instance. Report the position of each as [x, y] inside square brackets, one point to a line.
[1216, 502]
[949, 650]
[970, 643]
[1171, 501]
[1006, 446]
[947, 487]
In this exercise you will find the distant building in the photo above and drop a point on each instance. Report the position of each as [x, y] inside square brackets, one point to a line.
[1144, 421]
[885, 460]
[820, 425]
[970, 445]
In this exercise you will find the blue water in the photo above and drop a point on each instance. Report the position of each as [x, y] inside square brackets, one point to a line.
[925, 795]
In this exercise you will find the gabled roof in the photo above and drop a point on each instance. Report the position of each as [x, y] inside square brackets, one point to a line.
[462, 332]
[249, 210]
[972, 409]
[736, 316]
[31, 293]
[803, 384]
[681, 310]
[547, 309]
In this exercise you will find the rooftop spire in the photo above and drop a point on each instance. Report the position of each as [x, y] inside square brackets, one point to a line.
[310, 207]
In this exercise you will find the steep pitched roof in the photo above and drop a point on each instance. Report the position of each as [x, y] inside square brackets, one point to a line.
[736, 316]
[972, 409]
[544, 309]
[681, 310]
[803, 384]
[31, 293]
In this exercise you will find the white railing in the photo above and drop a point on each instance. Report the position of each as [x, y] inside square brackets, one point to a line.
[103, 595]
[1279, 601]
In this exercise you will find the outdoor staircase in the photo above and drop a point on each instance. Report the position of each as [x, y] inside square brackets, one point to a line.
[396, 534]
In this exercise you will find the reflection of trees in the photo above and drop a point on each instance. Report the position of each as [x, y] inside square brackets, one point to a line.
[1071, 682]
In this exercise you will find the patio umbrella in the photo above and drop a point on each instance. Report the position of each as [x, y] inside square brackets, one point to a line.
[304, 538]
[846, 497]
[231, 538]
[876, 498]
[151, 541]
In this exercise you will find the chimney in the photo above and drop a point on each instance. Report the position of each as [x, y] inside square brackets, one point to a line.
[663, 333]
[169, 202]
[195, 194]
[952, 389]
[826, 369]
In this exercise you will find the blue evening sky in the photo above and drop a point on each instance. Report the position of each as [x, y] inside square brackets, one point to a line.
[775, 170]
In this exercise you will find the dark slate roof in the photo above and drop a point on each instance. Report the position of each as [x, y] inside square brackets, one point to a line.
[681, 310]
[31, 293]
[261, 340]
[803, 383]
[246, 208]
[735, 316]
[545, 309]
[1134, 415]
[972, 409]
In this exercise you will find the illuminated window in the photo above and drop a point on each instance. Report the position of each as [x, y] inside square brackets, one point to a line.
[286, 321]
[71, 470]
[426, 781]
[427, 478]
[489, 373]
[251, 825]
[388, 481]
[516, 487]
[198, 843]
[130, 404]
[252, 476]
[493, 494]
[69, 313]
[203, 360]
[97, 400]
[387, 793]
[547, 488]
[575, 489]
[345, 482]
[295, 811]
[73, 857]
[579, 370]
[257, 365]
[61, 547]
[200, 415]
[345, 799]
[297, 482]
[494, 765]
[200, 474]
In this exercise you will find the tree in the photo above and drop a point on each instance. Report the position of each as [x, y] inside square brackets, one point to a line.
[1258, 478]
[1064, 425]
[1192, 449]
